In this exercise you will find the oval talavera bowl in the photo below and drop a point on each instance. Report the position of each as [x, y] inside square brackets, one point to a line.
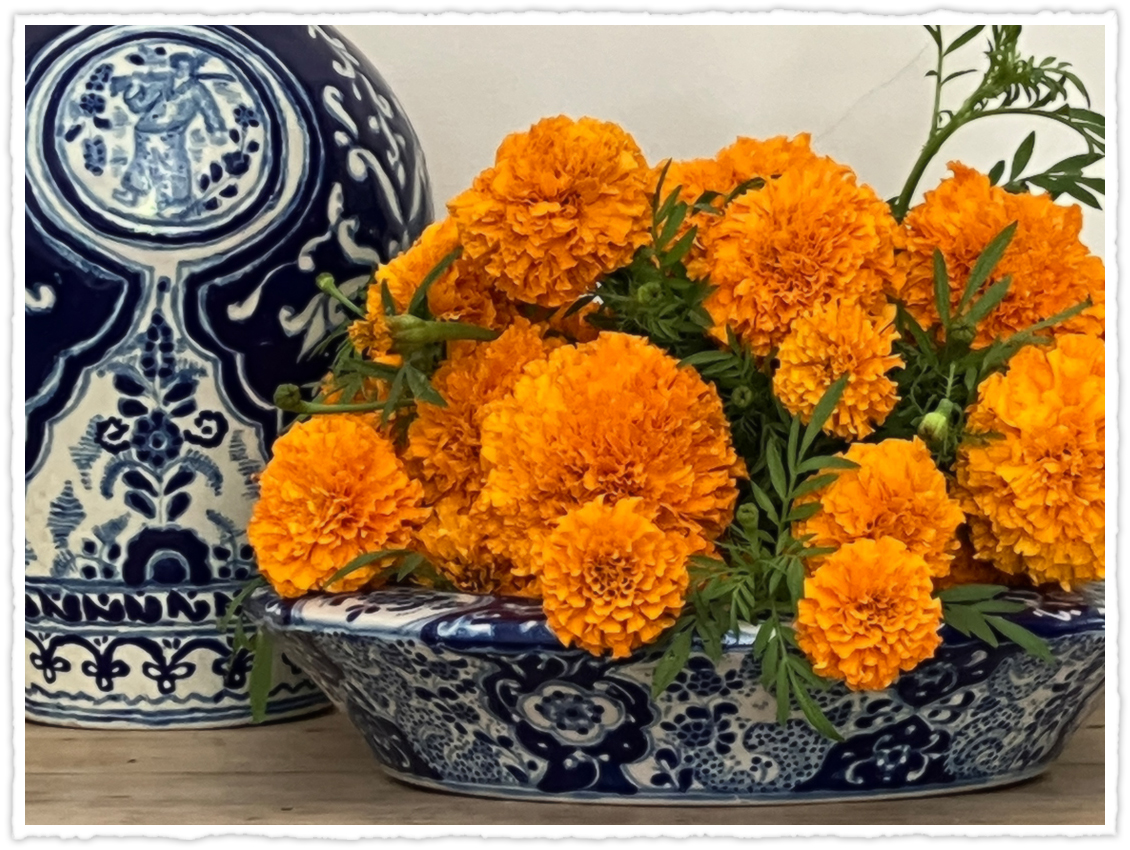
[475, 695]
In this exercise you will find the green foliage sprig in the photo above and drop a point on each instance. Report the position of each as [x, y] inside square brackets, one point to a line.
[1063, 178]
[654, 296]
[1013, 85]
[417, 337]
[975, 610]
[762, 577]
[942, 370]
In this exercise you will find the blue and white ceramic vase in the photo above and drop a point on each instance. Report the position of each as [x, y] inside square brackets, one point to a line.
[476, 695]
[184, 184]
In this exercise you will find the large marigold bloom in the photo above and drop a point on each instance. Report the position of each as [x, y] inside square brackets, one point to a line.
[444, 442]
[868, 613]
[897, 491]
[611, 579]
[1051, 269]
[618, 418]
[461, 294]
[565, 203]
[334, 489]
[735, 164]
[456, 539]
[834, 340]
[810, 236]
[1035, 487]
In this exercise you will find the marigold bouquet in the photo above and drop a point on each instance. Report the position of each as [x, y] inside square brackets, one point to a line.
[669, 400]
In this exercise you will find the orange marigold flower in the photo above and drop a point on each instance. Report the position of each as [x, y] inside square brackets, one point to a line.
[1036, 494]
[868, 613]
[565, 203]
[808, 237]
[896, 491]
[616, 417]
[735, 164]
[748, 158]
[371, 335]
[461, 294]
[834, 340]
[456, 541]
[370, 389]
[574, 327]
[695, 177]
[444, 442]
[966, 568]
[611, 579]
[1051, 269]
[334, 489]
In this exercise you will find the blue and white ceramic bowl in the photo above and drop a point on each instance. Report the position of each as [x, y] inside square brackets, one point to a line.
[475, 695]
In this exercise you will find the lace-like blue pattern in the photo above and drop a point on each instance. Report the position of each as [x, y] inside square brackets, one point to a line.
[473, 694]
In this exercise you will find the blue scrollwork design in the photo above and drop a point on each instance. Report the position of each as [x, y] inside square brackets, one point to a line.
[475, 695]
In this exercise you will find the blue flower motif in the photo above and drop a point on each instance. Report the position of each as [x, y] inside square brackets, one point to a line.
[701, 728]
[99, 77]
[245, 116]
[700, 679]
[92, 104]
[904, 754]
[574, 716]
[94, 155]
[236, 163]
[156, 440]
[570, 712]
[550, 702]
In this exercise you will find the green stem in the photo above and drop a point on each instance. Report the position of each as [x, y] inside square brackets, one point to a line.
[964, 116]
[289, 398]
[445, 331]
[937, 91]
[409, 331]
[325, 282]
[1022, 110]
[929, 150]
[310, 407]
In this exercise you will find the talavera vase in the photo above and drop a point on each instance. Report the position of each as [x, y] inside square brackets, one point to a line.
[184, 186]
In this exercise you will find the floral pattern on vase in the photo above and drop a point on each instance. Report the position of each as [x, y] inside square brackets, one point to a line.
[184, 185]
[475, 695]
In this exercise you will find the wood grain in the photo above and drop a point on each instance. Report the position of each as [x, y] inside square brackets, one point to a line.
[319, 771]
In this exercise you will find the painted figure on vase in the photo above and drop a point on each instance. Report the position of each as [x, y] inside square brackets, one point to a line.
[166, 101]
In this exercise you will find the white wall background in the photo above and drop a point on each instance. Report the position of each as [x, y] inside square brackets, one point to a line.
[687, 90]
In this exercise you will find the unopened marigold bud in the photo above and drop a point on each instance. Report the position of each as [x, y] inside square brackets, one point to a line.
[649, 292]
[742, 397]
[409, 329]
[935, 425]
[962, 333]
[288, 397]
[747, 515]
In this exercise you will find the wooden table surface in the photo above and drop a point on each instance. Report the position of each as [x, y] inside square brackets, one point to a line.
[319, 771]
